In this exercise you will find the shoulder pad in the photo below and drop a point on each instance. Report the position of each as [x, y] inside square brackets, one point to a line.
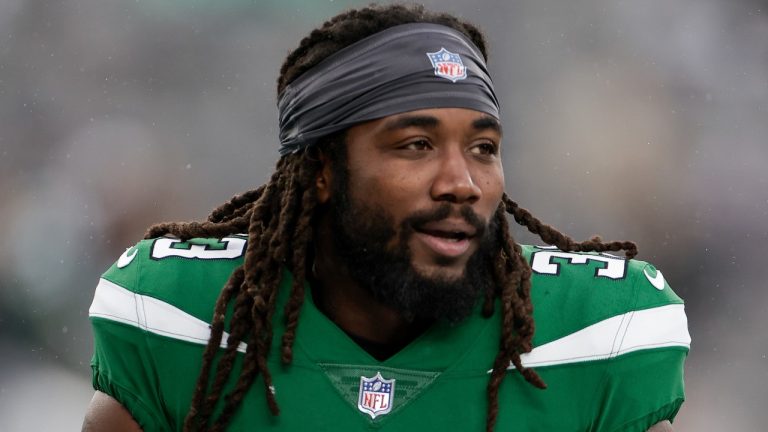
[581, 289]
[188, 275]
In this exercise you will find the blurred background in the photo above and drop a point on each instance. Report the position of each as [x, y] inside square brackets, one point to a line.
[643, 120]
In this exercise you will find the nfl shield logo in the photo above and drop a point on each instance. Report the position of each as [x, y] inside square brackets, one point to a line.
[448, 65]
[376, 394]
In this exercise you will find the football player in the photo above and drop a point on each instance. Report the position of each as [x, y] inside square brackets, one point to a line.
[373, 282]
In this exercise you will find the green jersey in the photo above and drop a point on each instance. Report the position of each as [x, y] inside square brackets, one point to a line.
[610, 342]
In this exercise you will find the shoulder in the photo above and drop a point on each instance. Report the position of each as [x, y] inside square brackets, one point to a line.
[165, 257]
[150, 318]
[551, 264]
[170, 274]
[613, 281]
[610, 327]
[605, 296]
[170, 269]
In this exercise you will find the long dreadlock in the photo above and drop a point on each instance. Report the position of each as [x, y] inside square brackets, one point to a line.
[278, 218]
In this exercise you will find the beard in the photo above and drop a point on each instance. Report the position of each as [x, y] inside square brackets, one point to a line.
[361, 236]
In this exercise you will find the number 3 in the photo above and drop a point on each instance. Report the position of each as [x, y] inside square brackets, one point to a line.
[613, 267]
[226, 248]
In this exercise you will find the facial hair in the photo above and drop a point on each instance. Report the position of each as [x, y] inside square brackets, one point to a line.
[361, 236]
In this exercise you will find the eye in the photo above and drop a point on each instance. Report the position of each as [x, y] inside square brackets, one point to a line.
[417, 145]
[485, 149]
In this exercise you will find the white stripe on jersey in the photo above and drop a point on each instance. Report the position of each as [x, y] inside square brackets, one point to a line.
[659, 327]
[664, 326]
[115, 303]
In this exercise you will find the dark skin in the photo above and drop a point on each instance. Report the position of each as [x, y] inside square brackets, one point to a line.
[407, 163]
[403, 163]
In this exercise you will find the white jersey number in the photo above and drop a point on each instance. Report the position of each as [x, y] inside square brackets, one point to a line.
[613, 267]
[229, 248]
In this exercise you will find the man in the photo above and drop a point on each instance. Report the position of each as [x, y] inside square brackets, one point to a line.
[384, 230]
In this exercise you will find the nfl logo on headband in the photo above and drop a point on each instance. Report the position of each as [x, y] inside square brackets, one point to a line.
[447, 65]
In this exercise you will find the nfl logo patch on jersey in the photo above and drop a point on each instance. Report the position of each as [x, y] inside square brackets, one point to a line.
[376, 395]
[448, 65]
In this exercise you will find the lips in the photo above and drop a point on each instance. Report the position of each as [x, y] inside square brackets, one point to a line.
[448, 238]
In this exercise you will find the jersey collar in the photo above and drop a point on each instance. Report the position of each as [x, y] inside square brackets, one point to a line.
[438, 348]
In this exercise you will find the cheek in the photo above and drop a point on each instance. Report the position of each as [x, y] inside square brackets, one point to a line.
[491, 182]
[391, 188]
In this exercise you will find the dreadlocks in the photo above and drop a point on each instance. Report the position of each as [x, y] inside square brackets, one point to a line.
[278, 218]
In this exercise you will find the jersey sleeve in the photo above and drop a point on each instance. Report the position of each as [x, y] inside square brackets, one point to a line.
[644, 380]
[123, 366]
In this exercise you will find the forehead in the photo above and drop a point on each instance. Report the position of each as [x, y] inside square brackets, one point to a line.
[452, 118]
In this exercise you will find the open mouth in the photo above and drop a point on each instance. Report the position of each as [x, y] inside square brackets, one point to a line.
[445, 243]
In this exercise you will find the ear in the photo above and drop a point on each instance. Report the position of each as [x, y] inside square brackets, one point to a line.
[323, 180]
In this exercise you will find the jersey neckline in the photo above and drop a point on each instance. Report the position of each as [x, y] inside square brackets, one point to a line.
[438, 348]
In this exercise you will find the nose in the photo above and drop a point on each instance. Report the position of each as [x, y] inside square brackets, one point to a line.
[453, 182]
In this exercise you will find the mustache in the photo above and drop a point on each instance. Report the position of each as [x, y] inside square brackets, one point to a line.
[417, 220]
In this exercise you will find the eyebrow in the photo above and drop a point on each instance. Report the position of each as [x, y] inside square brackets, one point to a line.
[403, 122]
[487, 122]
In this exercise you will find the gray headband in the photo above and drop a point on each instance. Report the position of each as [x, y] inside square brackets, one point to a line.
[404, 68]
